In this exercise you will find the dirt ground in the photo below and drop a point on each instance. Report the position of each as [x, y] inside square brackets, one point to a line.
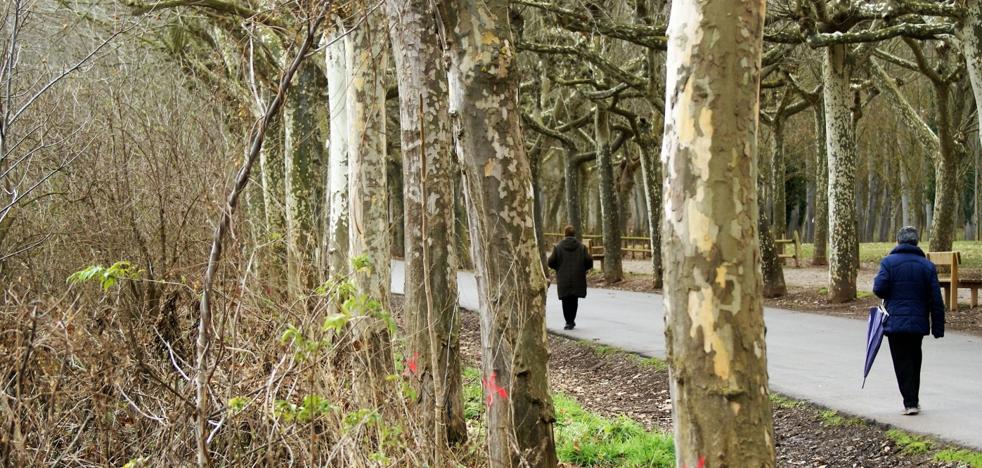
[806, 294]
[613, 383]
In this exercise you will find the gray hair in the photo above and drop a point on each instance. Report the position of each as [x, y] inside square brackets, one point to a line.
[907, 235]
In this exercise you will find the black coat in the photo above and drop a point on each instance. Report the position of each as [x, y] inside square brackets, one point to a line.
[571, 261]
[908, 283]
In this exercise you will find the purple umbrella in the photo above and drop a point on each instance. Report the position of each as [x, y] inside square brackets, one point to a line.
[874, 336]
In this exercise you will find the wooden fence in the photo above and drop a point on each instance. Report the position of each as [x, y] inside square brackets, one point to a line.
[634, 247]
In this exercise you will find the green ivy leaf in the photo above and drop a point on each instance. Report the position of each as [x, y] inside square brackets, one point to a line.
[335, 322]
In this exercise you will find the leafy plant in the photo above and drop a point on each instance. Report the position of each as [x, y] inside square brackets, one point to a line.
[361, 416]
[237, 404]
[311, 408]
[107, 277]
[303, 347]
[362, 264]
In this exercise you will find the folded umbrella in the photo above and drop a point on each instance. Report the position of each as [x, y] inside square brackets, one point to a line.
[874, 336]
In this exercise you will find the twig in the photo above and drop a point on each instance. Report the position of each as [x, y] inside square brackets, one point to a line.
[224, 224]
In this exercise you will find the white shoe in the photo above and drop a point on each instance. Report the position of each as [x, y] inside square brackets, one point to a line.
[911, 411]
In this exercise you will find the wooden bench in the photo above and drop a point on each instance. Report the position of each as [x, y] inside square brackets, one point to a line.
[951, 279]
[634, 247]
[596, 251]
[795, 242]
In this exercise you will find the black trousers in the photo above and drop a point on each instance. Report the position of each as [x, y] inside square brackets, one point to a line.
[569, 309]
[905, 349]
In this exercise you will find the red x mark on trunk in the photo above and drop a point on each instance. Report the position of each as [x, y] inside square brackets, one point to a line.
[493, 389]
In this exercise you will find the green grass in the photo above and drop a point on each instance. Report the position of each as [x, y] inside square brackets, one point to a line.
[655, 363]
[967, 457]
[873, 252]
[909, 444]
[473, 395]
[602, 350]
[832, 418]
[784, 402]
[584, 438]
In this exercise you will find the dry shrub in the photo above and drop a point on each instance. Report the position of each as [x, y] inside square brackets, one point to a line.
[90, 381]
[104, 376]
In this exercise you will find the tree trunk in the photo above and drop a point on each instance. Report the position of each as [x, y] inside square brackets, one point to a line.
[397, 203]
[302, 165]
[430, 304]
[609, 206]
[337, 224]
[511, 281]
[777, 179]
[713, 308]
[970, 32]
[906, 207]
[770, 264]
[651, 175]
[368, 229]
[540, 236]
[978, 193]
[571, 176]
[821, 188]
[946, 175]
[841, 150]
[872, 202]
[810, 177]
[273, 264]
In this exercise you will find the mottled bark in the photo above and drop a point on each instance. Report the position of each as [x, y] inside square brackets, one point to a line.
[302, 159]
[821, 189]
[535, 164]
[809, 224]
[970, 33]
[713, 308]
[841, 148]
[430, 305]
[368, 229]
[497, 183]
[609, 206]
[337, 219]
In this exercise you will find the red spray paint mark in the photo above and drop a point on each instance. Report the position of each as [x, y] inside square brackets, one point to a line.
[493, 389]
[701, 464]
[412, 367]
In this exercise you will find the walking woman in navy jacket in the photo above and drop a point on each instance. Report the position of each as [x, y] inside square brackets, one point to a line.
[908, 284]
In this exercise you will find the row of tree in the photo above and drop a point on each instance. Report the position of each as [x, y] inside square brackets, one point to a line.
[497, 110]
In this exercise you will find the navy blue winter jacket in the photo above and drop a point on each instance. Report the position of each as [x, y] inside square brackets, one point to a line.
[908, 282]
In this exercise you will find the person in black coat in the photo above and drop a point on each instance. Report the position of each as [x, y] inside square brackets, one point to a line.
[571, 260]
[908, 284]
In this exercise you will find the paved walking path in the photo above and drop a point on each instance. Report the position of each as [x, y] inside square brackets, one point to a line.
[810, 357]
